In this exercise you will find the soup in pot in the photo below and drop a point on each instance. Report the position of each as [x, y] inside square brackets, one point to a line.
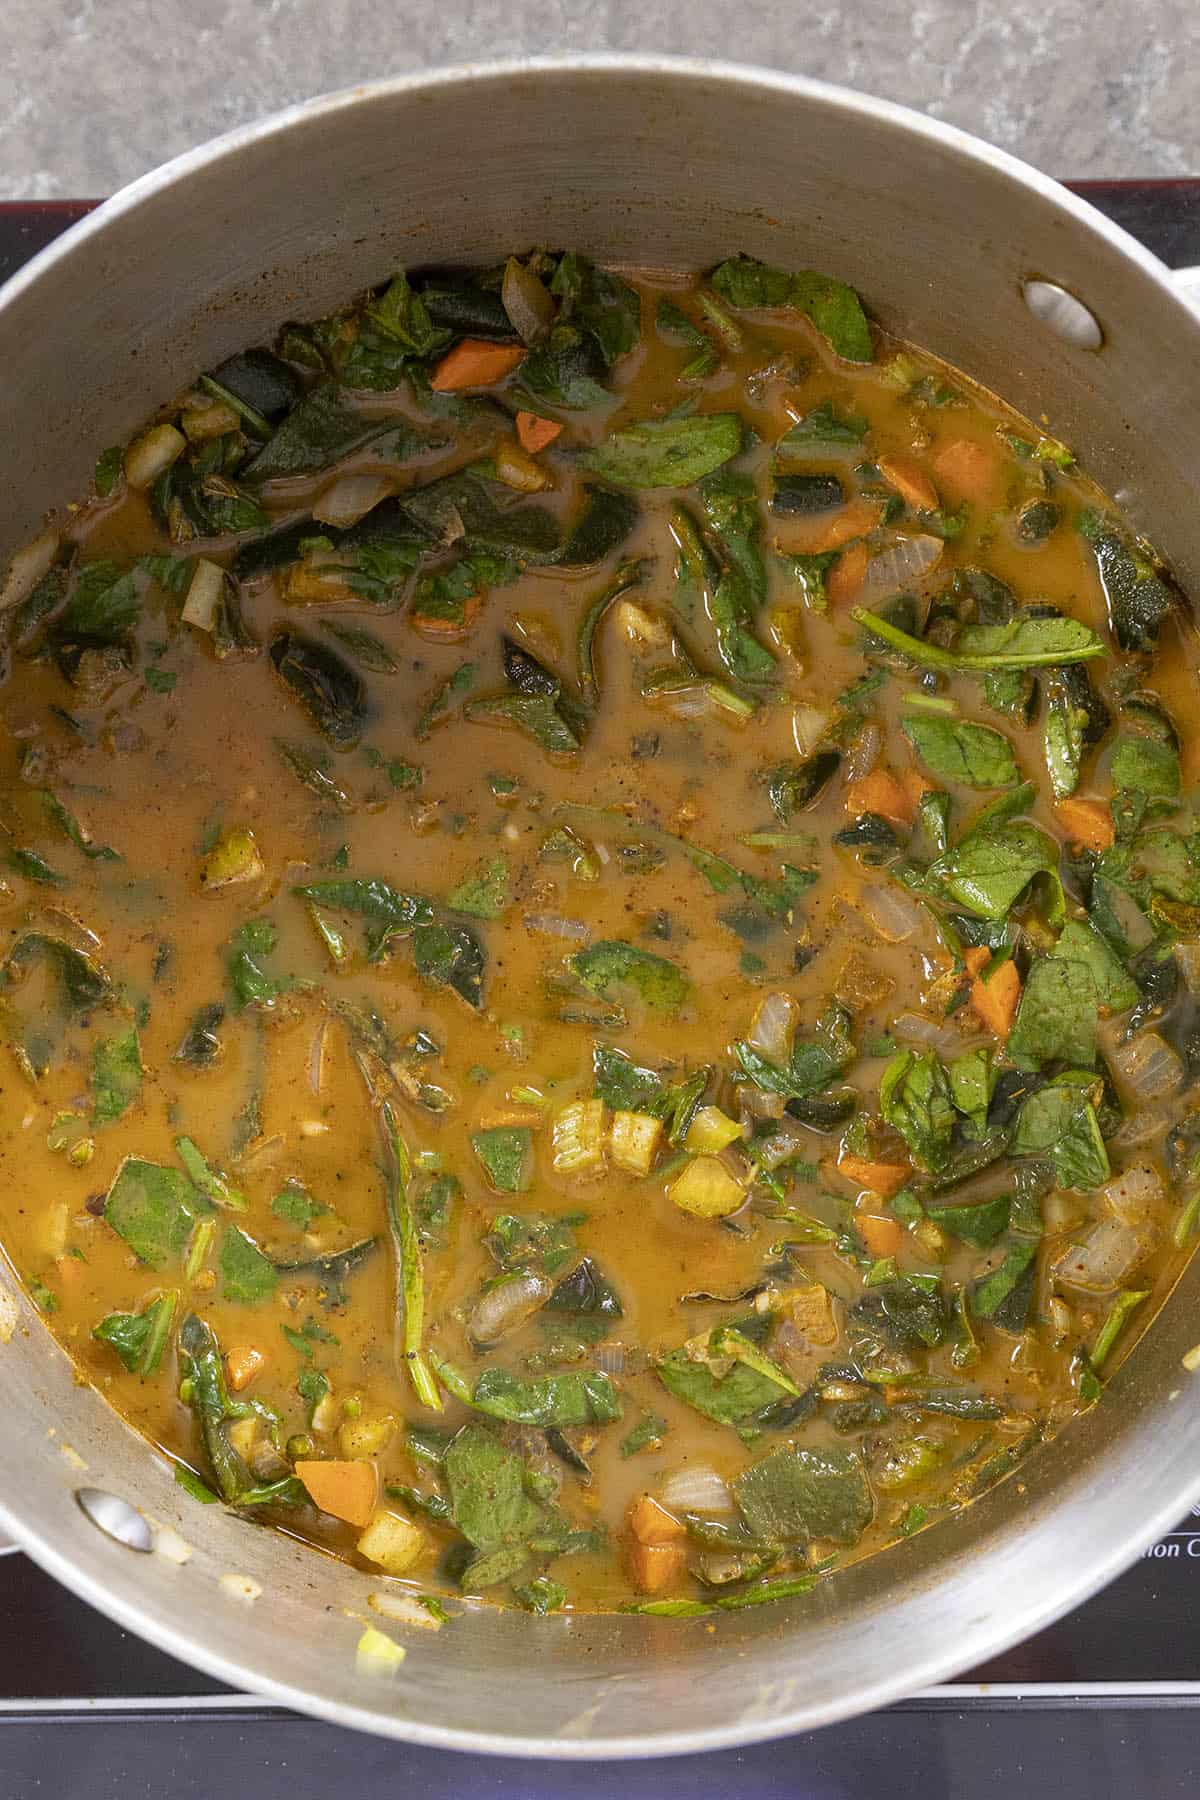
[600, 935]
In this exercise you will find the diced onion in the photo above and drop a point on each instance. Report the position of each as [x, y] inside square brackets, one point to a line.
[527, 301]
[27, 567]
[1101, 1260]
[1059, 1315]
[611, 1359]
[316, 1058]
[153, 453]
[553, 925]
[773, 1027]
[1148, 1066]
[350, 498]
[696, 1489]
[1141, 1127]
[1134, 1196]
[204, 595]
[406, 1609]
[863, 753]
[505, 1306]
[909, 559]
[890, 911]
[788, 1141]
[918, 1028]
[809, 726]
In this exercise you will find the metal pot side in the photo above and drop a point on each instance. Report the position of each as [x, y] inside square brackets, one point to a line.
[669, 164]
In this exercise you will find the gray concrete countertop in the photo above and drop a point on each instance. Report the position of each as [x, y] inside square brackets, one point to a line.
[94, 92]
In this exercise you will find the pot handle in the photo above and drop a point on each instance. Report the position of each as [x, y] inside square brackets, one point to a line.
[1188, 283]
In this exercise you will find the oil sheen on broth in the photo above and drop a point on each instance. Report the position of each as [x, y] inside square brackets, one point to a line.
[601, 914]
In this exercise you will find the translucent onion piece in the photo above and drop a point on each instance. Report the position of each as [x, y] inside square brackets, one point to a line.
[350, 498]
[505, 1306]
[890, 911]
[773, 1027]
[316, 1059]
[552, 925]
[863, 753]
[754, 1105]
[204, 595]
[611, 1359]
[1101, 1260]
[809, 727]
[1136, 1195]
[908, 560]
[406, 1609]
[1141, 1127]
[151, 454]
[918, 1028]
[790, 1140]
[696, 1489]
[27, 567]
[527, 301]
[1148, 1066]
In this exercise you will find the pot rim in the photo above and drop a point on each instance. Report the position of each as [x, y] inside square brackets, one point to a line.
[1028, 1612]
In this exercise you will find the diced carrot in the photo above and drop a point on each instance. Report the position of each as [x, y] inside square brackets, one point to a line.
[883, 1237]
[242, 1363]
[345, 1490]
[447, 630]
[846, 576]
[651, 1523]
[880, 792]
[967, 469]
[533, 434]
[1087, 822]
[880, 1177]
[655, 1567]
[475, 363]
[812, 537]
[913, 484]
[995, 1000]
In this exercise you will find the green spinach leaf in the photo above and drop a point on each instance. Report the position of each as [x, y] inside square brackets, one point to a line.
[834, 308]
[654, 453]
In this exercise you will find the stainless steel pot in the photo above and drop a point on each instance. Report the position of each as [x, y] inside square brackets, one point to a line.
[652, 162]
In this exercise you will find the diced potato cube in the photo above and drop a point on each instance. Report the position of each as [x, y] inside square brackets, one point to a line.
[242, 1435]
[578, 1137]
[711, 1131]
[633, 1141]
[367, 1436]
[707, 1190]
[392, 1542]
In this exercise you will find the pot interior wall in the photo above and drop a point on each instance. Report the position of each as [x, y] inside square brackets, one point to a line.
[671, 168]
